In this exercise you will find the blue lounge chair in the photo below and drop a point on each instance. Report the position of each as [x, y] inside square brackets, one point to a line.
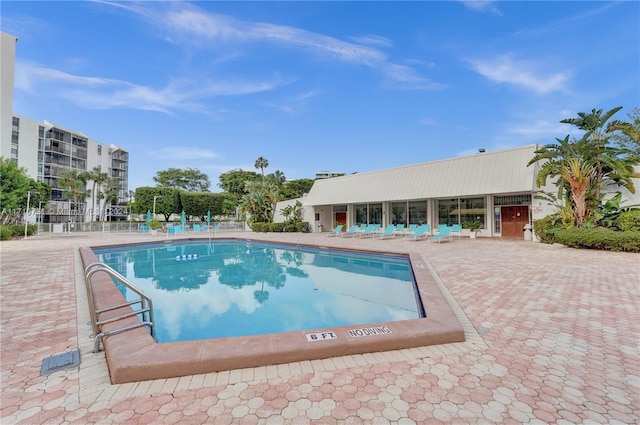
[334, 232]
[456, 230]
[197, 228]
[444, 233]
[420, 233]
[145, 229]
[389, 232]
[399, 229]
[353, 230]
[369, 231]
[412, 228]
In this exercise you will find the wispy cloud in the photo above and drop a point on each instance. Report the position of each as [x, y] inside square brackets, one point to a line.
[482, 5]
[185, 23]
[504, 69]
[105, 93]
[184, 153]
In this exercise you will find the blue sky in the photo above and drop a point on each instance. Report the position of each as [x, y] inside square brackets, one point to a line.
[313, 86]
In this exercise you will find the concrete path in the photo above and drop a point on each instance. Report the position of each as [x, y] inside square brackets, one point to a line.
[553, 336]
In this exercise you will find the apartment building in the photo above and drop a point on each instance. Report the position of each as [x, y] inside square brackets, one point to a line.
[45, 150]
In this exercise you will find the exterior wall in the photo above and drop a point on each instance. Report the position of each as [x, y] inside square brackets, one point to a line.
[7, 69]
[307, 213]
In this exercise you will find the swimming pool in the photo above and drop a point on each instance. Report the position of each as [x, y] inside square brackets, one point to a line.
[135, 356]
[202, 290]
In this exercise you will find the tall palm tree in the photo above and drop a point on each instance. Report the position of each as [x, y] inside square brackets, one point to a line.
[261, 164]
[110, 194]
[585, 167]
[74, 186]
[98, 178]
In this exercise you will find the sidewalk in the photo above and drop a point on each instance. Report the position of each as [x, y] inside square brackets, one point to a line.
[553, 336]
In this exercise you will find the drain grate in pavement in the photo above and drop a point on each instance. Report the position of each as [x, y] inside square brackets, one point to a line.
[60, 362]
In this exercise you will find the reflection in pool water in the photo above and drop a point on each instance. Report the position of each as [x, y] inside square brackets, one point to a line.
[221, 289]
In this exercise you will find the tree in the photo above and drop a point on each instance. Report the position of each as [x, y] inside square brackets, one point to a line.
[628, 134]
[99, 179]
[73, 185]
[234, 181]
[15, 186]
[189, 179]
[167, 201]
[586, 166]
[260, 201]
[110, 193]
[261, 164]
[295, 188]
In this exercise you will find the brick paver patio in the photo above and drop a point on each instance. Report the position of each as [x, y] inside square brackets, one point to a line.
[553, 336]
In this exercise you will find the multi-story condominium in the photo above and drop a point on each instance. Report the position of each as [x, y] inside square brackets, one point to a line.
[45, 150]
[327, 174]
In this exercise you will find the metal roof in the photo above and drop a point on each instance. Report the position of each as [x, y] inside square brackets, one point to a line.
[495, 172]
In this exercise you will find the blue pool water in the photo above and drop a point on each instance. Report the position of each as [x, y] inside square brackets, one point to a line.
[204, 290]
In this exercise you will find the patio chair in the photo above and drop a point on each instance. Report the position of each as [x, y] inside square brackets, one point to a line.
[456, 230]
[390, 231]
[369, 231]
[334, 232]
[444, 233]
[420, 233]
[351, 231]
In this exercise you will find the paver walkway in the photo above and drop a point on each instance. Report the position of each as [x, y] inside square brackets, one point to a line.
[559, 343]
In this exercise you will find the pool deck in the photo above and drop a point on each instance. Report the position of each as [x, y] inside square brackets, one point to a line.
[552, 336]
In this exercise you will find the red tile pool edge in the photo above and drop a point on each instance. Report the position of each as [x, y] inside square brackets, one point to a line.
[134, 355]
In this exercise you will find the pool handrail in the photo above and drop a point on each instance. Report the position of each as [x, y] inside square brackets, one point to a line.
[146, 305]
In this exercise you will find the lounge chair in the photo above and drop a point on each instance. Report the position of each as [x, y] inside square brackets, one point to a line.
[390, 231]
[411, 229]
[444, 233]
[145, 229]
[353, 230]
[369, 231]
[334, 232]
[420, 233]
[456, 230]
[399, 229]
[197, 228]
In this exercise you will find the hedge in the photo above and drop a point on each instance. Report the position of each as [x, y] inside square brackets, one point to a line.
[281, 227]
[598, 238]
[16, 230]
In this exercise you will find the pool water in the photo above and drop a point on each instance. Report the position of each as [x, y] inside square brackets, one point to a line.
[229, 288]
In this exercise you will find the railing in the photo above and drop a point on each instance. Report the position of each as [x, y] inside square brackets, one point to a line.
[146, 306]
[123, 226]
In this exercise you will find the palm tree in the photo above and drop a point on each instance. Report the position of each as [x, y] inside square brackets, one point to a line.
[261, 163]
[110, 194]
[585, 167]
[73, 185]
[98, 178]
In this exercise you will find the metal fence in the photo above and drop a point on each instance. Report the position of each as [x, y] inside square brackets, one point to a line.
[124, 226]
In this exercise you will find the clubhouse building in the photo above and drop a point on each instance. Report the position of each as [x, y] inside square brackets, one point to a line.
[496, 188]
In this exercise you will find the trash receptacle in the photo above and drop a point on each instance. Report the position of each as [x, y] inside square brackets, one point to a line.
[528, 233]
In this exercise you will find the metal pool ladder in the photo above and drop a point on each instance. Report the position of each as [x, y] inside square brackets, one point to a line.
[146, 306]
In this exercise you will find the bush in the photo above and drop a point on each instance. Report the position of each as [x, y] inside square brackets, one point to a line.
[16, 230]
[628, 221]
[546, 227]
[5, 233]
[259, 226]
[599, 238]
[276, 227]
[303, 227]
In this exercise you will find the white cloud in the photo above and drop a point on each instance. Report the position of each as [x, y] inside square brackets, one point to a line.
[482, 5]
[186, 23]
[105, 93]
[504, 69]
[184, 153]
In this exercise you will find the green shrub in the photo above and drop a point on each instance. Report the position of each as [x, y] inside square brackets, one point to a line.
[628, 221]
[303, 226]
[290, 228]
[599, 238]
[259, 226]
[155, 225]
[546, 227]
[276, 227]
[5, 233]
